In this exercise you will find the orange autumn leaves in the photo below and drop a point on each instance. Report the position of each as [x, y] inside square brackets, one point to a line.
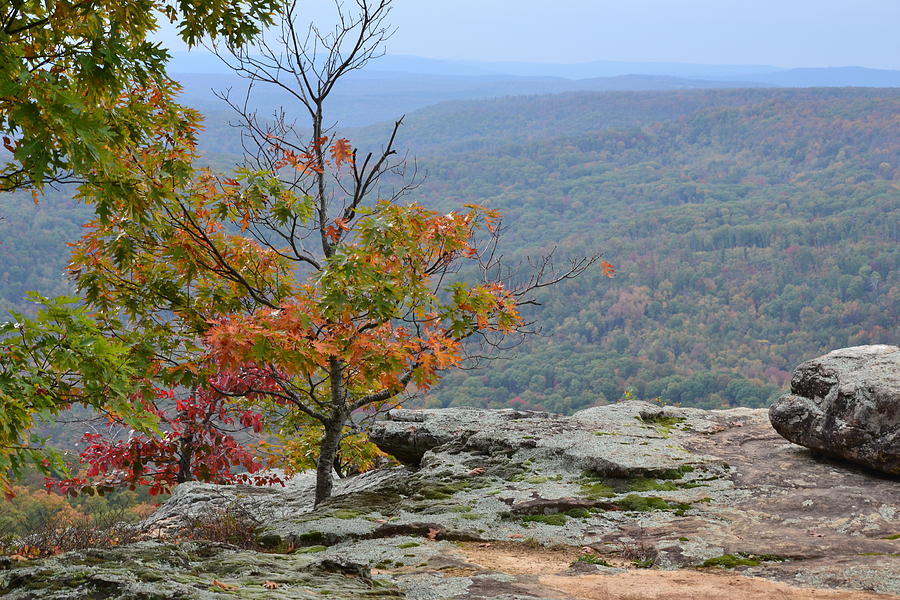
[317, 157]
[374, 306]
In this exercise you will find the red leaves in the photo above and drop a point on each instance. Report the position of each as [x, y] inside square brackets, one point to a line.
[196, 425]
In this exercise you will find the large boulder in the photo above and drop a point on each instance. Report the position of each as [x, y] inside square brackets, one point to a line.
[846, 404]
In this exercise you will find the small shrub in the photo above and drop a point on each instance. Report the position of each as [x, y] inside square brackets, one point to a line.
[234, 524]
[65, 532]
[641, 554]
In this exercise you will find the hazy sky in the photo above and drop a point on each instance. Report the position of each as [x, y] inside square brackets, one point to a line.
[786, 33]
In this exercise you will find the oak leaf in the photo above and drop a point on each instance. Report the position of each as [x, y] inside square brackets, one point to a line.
[608, 269]
[342, 151]
[224, 586]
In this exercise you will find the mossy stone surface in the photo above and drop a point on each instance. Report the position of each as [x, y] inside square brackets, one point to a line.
[187, 571]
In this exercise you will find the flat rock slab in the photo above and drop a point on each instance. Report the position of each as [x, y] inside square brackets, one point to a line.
[846, 404]
[488, 497]
[187, 571]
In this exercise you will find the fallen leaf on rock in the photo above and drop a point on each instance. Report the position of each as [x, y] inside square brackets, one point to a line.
[271, 585]
[224, 586]
[432, 533]
[477, 471]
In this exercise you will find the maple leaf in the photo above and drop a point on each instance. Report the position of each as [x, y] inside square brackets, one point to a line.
[608, 269]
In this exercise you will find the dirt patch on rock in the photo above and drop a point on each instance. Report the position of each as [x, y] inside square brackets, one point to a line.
[689, 585]
[549, 567]
[519, 559]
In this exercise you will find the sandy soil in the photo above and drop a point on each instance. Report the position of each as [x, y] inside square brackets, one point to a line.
[547, 564]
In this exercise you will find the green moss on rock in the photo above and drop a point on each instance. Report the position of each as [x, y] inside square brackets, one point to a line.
[742, 559]
[558, 520]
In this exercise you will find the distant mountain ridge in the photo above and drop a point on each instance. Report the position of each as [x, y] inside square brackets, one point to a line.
[391, 65]
[396, 85]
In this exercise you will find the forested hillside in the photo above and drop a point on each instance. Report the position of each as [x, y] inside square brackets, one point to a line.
[747, 239]
[751, 229]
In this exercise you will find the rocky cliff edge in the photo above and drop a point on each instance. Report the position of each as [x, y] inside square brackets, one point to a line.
[630, 500]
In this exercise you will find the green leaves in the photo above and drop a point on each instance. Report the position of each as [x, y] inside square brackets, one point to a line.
[67, 69]
[60, 357]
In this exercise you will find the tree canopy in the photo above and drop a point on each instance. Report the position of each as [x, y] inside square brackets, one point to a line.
[72, 74]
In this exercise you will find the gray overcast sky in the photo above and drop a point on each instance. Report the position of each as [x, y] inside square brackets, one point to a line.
[786, 33]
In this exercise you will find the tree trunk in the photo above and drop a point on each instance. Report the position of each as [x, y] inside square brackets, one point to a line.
[185, 452]
[325, 465]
